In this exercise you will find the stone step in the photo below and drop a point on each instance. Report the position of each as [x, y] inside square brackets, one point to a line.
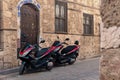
[9, 71]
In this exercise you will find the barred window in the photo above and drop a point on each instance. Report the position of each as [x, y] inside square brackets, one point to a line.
[60, 17]
[88, 24]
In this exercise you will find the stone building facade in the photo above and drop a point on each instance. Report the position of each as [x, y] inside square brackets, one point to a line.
[110, 40]
[81, 21]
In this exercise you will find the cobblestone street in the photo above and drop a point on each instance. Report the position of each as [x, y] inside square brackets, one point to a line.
[81, 70]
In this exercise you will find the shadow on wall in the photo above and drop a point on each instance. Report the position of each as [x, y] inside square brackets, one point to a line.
[1, 31]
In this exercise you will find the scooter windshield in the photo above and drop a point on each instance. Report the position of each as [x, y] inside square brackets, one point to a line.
[56, 43]
[26, 46]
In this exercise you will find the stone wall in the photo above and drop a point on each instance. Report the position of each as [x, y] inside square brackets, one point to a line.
[110, 11]
[90, 45]
[8, 58]
[110, 37]
[110, 40]
[110, 30]
[110, 65]
[1, 46]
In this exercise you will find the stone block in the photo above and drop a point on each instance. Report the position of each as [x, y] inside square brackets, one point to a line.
[5, 6]
[110, 65]
[7, 65]
[1, 58]
[1, 65]
[110, 37]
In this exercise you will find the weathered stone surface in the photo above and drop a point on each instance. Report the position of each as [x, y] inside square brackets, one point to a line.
[110, 65]
[110, 13]
[7, 65]
[89, 46]
[1, 65]
[110, 37]
[1, 59]
[110, 40]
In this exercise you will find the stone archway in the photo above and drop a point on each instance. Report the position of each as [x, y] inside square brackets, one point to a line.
[34, 7]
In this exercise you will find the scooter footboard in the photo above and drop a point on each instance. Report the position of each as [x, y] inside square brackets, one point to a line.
[40, 62]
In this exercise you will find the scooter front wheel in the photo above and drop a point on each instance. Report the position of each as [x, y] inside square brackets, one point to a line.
[49, 65]
[22, 68]
[72, 61]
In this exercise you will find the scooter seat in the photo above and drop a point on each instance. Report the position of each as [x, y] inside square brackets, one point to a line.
[68, 49]
[41, 52]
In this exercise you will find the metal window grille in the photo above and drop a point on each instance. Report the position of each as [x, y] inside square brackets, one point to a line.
[88, 24]
[61, 17]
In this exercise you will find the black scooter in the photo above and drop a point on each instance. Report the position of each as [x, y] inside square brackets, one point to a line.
[65, 55]
[35, 57]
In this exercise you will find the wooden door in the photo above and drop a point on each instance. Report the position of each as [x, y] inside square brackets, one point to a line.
[30, 22]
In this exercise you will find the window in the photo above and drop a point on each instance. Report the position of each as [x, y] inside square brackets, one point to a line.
[61, 17]
[88, 24]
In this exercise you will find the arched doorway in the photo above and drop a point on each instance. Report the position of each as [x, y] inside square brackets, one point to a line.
[29, 22]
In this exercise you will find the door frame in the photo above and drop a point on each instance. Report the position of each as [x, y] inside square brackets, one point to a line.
[20, 4]
[34, 15]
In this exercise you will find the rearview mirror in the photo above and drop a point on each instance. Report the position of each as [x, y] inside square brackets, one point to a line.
[42, 41]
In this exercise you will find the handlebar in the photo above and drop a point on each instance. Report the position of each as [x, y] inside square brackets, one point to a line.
[65, 43]
[62, 43]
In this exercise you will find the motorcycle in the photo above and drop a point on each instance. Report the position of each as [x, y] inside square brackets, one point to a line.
[65, 55]
[35, 57]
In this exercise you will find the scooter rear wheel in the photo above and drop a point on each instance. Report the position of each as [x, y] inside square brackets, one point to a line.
[72, 61]
[49, 65]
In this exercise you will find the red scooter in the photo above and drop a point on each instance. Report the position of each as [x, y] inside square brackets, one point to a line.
[65, 55]
[35, 57]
